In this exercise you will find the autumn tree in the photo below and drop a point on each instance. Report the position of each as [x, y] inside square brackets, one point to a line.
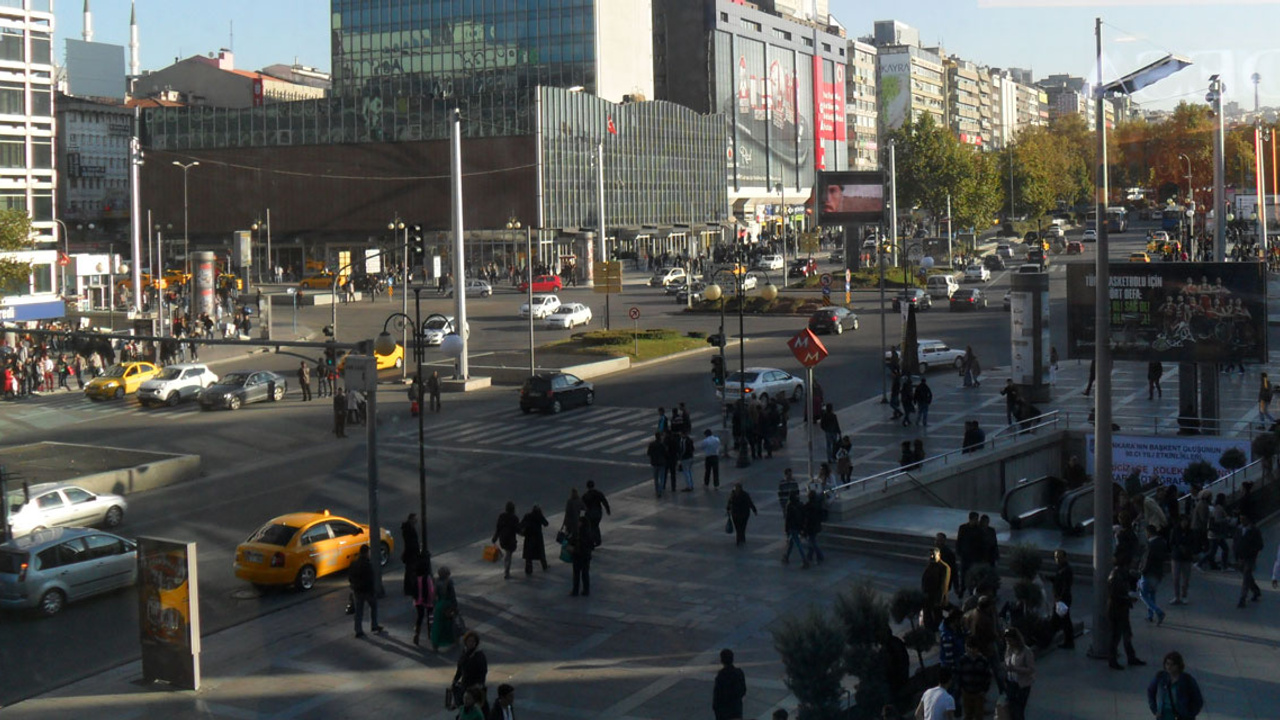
[15, 236]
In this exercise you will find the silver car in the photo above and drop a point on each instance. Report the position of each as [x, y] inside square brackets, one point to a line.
[53, 567]
[49, 505]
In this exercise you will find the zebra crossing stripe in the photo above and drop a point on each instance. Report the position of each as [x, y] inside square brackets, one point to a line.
[594, 434]
[628, 442]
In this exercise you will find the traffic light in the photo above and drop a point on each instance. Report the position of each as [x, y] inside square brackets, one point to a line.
[330, 355]
[717, 370]
[716, 340]
[328, 331]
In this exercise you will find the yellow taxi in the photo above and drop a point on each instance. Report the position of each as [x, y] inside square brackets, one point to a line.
[322, 281]
[297, 548]
[1139, 257]
[174, 278]
[120, 380]
[126, 282]
[385, 362]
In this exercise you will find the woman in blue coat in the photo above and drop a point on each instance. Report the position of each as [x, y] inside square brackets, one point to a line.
[1173, 694]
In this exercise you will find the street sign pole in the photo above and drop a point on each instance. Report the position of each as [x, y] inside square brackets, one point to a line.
[808, 425]
[634, 313]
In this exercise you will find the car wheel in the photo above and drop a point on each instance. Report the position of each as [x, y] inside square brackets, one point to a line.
[306, 578]
[399, 363]
[52, 602]
[525, 409]
[114, 516]
[119, 394]
[384, 554]
[172, 399]
[278, 394]
[555, 406]
[959, 363]
[855, 323]
[591, 397]
[797, 394]
[839, 328]
[924, 368]
[233, 403]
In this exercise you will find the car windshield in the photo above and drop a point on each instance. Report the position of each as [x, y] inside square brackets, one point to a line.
[271, 534]
[114, 371]
[234, 378]
[437, 324]
[564, 310]
[170, 373]
[741, 377]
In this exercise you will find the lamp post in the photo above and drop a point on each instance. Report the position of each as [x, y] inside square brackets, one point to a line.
[714, 292]
[452, 347]
[781, 189]
[186, 227]
[256, 226]
[398, 225]
[514, 224]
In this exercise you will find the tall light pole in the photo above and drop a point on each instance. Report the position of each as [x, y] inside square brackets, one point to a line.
[186, 228]
[781, 189]
[398, 225]
[714, 292]
[1191, 203]
[1214, 98]
[513, 223]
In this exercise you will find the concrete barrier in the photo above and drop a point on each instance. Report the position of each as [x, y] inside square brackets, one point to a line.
[122, 471]
[586, 371]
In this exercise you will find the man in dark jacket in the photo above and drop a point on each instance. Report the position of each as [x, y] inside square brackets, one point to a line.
[340, 413]
[505, 535]
[968, 548]
[1248, 545]
[1182, 549]
[924, 398]
[364, 591]
[1152, 572]
[657, 453]
[947, 556]
[597, 506]
[813, 525]
[793, 526]
[730, 688]
[1118, 605]
[582, 547]
[830, 425]
[672, 444]
[1061, 581]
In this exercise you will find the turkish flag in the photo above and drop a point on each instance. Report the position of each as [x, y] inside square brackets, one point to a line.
[613, 129]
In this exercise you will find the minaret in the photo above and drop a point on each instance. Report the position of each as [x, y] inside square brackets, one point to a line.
[88, 23]
[133, 39]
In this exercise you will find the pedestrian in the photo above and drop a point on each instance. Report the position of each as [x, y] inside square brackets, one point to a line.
[1151, 570]
[1173, 693]
[1248, 545]
[1155, 371]
[472, 671]
[1219, 530]
[1020, 669]
[1264, 400]
[685, 463]
[664, 423]
[504, 708]
[304, 380]
[424, 597]
[729, 690]
[446, 610]
[1182, 550]
[340, 413]
[581, 547]
[1060, 581]
[844, 462]
[948, 557]
[937, 703]
[1093, 375]
[1118, 605]
[534, 548]
[597, 506]
[739, 509]
[990, 542]
[975, 674]
[409, 540]
[970, 367]
[364, 591]
[322, 379]
[793, 526]
[671, 445]
[908, 400]
[1011, 401]
[813, 516]
[1053, 364]
[974, 437]
[968, 548]
[934, 582]
[830, 426]
[787, 487]
[895, 398]
[505, 533]
[433, 390]
[710, 458]
[924, 397]
[657, 452]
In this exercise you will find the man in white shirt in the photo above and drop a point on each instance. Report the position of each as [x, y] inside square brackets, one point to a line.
[711, 458]
[937, 703]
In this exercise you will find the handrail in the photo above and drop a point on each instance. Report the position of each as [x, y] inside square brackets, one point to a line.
[916, 481]
[1161, 424]
[1017, 427]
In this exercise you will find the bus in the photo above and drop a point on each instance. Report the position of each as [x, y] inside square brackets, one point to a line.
[1117, 219]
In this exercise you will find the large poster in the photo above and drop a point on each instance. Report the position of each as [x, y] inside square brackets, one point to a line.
[1172, 312]
[851, 197]
[829, 114]
[169, 612]
[1162, 459]
[770, 100]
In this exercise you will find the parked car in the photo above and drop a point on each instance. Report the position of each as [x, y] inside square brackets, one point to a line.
[771, 262]
[48, 569]
[435, 329]
[682, 295]
[755, 382]
[120, 380]
[240, 388]
[914, 296]
[568, 316]
[968, 299]
[666, 276]
[553, 392]
[1089, 235]
[47, 505]
[543, 305]
[297, 548]
[936, 354]
[803, 268]
[833, 320]
[543, 284]
[176, 383]
[993, 262]
[1075, 247]
[476, 288]
[977, 273]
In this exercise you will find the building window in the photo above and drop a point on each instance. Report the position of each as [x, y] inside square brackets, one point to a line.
[42, 278]
[11, 100]
[780, 33]
[750, 24]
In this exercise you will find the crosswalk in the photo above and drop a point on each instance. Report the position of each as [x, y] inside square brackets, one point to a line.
[49, 411]
[595, 431]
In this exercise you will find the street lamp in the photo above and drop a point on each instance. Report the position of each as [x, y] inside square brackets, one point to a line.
[398, 225]
[714, 292]
[514, 224]
[781, 189]
[452, 347]
[186, 228]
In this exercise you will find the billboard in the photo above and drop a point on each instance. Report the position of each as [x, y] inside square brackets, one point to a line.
[169, 612]
[1162, 459]
[850, 197]
[95, 69]
[1172, 312]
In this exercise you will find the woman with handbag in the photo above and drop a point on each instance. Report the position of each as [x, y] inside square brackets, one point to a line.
[534, 548]
[446, 611]
[472, 672]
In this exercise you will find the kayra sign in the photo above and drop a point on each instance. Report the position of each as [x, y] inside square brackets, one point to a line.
[807, 348]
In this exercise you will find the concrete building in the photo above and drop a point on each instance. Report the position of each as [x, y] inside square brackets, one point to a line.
[93, 184]
[214, 81]
[911, 84]
[27, 171]
[860, 100]
[1069, 95]
[1031, 103]
[1004, 108]
[966, 104]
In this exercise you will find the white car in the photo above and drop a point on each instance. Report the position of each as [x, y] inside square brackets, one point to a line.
[176, 383]
[435, 329]
[49, 505]
[543, 305]
[1089, 235]
[976, 273]
[933, 354]
[750, 281]
[476, 288]
[771, 262]
[1004, 251]
[666, 276]
[568, 316]
[761, 380]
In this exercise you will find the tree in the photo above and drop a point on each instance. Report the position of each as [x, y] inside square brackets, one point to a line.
[930, 165]
[811, 648]
[1199, 474]
[906, 605]
[863, 616]
[15, 236]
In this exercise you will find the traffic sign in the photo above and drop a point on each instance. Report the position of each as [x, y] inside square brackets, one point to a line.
[825, 280]
[634, 313]
[608, 277]
[63, 260]
[807, 348]
[915, 252]
[826, 291]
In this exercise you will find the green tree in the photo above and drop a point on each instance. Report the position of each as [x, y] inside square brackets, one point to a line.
[930, 164]
[15, 236]
[864, 617]
[811, 648]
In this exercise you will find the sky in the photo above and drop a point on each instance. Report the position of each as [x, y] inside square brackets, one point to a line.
[1046, 36]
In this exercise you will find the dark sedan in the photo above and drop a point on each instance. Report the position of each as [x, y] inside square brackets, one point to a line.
[236, 389]
[993, 262]
[968, 299]
[833, 320]
[553, 392]
[803, 268]
[913, 296]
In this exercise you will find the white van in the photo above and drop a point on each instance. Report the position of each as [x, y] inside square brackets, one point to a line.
[941, 287]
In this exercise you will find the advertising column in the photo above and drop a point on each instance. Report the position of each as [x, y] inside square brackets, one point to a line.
[1029, 335]
[169, 612]
[204, 295]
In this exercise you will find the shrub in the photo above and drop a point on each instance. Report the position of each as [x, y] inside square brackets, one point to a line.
[863, 617]
[922, 640]
[1133, 483]
[1266, 446]
[811, 648]
[1233, 459]
[906, 605]
[1029, 593]
[1199, 473]
[983, 579]
[1025, 561]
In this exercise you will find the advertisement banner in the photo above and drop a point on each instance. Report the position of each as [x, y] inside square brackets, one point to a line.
[851, 197]
[1172, 312]
[1162, 459]
[242, 246]
[169, 612]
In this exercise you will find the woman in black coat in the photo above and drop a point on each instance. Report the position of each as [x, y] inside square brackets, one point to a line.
[531, 529]
[740, 508]
[505, 536]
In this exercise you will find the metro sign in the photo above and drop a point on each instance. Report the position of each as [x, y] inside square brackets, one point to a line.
[807, 348]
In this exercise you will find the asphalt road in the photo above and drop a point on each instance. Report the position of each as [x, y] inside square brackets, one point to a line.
[268, 459]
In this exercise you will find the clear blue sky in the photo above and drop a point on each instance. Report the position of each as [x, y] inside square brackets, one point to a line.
[1047, 36]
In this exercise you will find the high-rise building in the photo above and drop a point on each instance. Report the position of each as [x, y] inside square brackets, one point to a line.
[1068, 95]
[860, 99]
[27, 174]
[911, 85]
[965, 102]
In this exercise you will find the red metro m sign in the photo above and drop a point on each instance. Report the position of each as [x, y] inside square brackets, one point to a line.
[807, 348]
